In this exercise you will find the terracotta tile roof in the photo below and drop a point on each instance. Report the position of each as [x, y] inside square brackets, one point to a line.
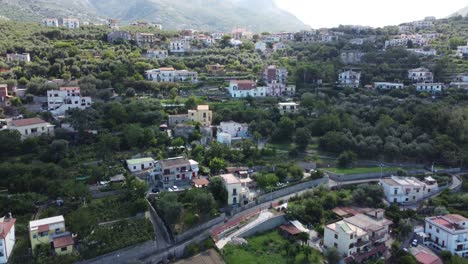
[43, 228]
[27, 122]
[200, 182]
[425, 258]
[245, 84]
[290, 229]
[455, 218]
[69, 88]
[64, 241]
[6, 226]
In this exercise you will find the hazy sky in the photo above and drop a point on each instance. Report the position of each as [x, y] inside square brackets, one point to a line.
[328, 13]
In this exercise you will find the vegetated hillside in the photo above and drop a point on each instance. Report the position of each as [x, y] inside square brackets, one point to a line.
[213, 15]
[463, 12]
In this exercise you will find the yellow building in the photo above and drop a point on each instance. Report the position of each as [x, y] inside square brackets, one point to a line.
[202, 115]
[51, 231]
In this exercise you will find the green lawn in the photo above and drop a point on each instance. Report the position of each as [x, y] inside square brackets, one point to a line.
[270, 248]
[361, 170]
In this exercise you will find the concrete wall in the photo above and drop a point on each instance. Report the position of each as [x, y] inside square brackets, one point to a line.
[265, 226]
[366, 176]
[198, 229]
[168, 237]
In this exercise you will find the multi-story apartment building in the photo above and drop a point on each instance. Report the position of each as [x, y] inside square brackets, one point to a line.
[31, 127]
[288, 108]
[260, 46]
[245, 88]
[50, 22]
[388, 86]
[423, 24]
[119, 35]
[447, 233]
[51, 232]
[237, 188]
[429, 87]
[169, 74]
[351, 57]
[360, 236]
[71, 23]
[175, 171]
[349, 79]
[25, 57]
[217, 35]
[273, 74]
[421, 75]
[408, 189]
[143, 39]
[7, 238]
[179, 46]
[202, 115]
[66, 98]
[156, 54]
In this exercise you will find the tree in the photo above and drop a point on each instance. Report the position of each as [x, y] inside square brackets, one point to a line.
[217, 188]
[58, 150]
[107, 145]
[302, 138]
[266, 181]
[346, 159]
[204, 202]
[332, 256]
[217, 164]
[405, 228]
[191, 102]
[170, 207]
[130, 92]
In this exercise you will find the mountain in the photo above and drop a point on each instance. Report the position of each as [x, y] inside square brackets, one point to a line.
[463, 12]
[213, 15]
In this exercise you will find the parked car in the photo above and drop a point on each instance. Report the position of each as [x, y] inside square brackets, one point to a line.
[414, 243]
[175, 188]
[169, 190]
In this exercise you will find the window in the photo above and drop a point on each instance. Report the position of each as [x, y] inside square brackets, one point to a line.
[234, 191]
[336, 236]
[351, 245]
[430, 226]
[63, 249]
[437, 230]
[335, 244]
[395, 191]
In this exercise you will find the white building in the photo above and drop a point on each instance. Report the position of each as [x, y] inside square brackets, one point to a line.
[405, 28]
[261, 46]
[423, 24]
[360, 234]
[273, 74]
[462, 51]
[66, 98]
[398, 42]
[217, 35]
[388, 85]
[18, 57]
[351, 57]
[233, 187]
[229, 131]
[71, 23]
[408, 189]
[429, 87]
[31, 127]
[169, 74]
[447, 233]
[135, 165]
[7, 238]
[50, 22]
[271, 38]
[175, 171]
[245, 88]
[179, 46]
[288, 108]
[423, 52]
[156, 54]
[421, 75]
[349, 79]
[279, 46]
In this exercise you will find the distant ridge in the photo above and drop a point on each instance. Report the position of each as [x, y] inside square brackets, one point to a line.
[213, 15]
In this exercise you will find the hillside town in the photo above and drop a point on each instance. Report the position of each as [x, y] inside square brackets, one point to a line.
[131, 144]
